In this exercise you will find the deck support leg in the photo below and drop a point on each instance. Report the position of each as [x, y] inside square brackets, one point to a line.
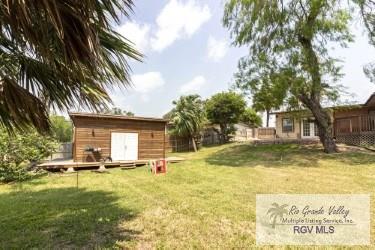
[70, 170]
[102, 167]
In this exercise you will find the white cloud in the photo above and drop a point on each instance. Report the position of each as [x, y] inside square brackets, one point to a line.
[144, 83]
[194, 85]
[139, 34]
[216, 49]
[178, 20]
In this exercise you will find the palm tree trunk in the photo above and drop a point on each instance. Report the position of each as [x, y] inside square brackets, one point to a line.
[194, 144]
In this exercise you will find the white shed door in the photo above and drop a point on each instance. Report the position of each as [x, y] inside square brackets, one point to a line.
[131, 146]
[124, 146]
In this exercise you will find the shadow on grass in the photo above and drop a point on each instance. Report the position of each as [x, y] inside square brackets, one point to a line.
[62, 218]
[282, 155]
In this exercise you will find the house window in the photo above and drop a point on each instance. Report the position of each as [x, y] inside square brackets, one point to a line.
[316, 129]
[288, 125]
[306, 128]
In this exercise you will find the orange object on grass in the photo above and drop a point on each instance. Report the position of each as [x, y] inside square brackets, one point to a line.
[159, 166]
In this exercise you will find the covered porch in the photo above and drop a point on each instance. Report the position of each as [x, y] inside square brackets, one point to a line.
[355, 130]
[356, 126]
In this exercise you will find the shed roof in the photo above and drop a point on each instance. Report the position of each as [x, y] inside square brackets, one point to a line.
[118, 117]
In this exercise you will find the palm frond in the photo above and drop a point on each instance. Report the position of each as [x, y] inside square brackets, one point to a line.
[187, 117]
[19, 109]
[63, 53]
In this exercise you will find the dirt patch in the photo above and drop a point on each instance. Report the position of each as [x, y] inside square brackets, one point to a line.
[349, 149]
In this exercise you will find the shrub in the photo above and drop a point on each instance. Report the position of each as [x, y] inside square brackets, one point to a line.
[62, 129]
[20, 150]
[12, 172]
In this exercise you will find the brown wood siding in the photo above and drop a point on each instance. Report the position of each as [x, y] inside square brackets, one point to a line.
[96, 132]
[351, 112]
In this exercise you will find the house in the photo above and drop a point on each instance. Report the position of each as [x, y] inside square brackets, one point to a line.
[353, 124]
[122, 138]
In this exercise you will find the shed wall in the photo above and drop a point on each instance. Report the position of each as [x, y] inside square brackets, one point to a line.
[96, 133]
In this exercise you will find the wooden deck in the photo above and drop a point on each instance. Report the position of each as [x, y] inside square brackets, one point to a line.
[66, 164]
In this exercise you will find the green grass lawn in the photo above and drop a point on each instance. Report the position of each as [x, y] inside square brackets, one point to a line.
[207, 201]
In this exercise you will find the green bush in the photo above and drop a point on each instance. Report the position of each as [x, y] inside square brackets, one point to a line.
[19, 151]
[62, 129]
[12, 172]
[225, 109]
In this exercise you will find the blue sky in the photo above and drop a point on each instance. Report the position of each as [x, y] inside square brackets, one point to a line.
[188, 51]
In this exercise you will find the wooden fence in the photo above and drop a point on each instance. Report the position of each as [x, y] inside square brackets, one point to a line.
[64, 151]
[177, 144]
[266, 133]
[181, 144]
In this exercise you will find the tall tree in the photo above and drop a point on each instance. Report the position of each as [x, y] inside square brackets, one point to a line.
[266, 88]
[367, 10]
[264, 101]
[225, 109]
[293, 37]
[60, 54]
[251, 118]
[188, 117]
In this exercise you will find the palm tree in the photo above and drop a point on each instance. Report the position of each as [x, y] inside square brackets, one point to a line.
[187, 117]
[60, 54]
[277, 211]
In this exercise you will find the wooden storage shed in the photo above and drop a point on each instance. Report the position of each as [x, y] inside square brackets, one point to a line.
[123, 138]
